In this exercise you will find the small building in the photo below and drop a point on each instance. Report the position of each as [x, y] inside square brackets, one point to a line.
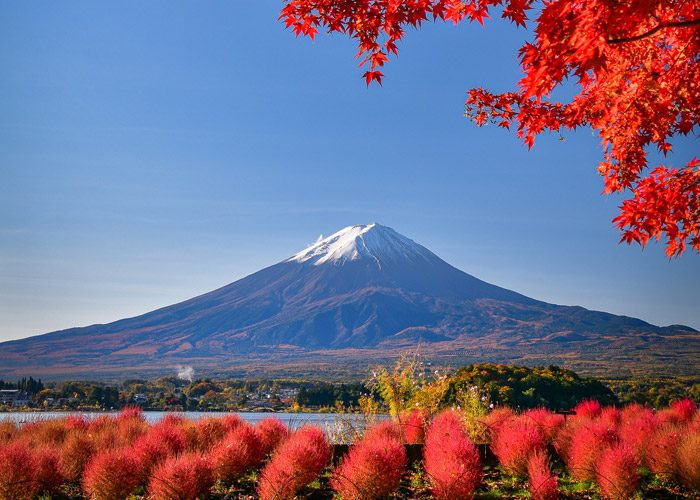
[8, 396]
[22, 399]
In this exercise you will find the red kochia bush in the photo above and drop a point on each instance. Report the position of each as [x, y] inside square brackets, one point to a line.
[618, 472]
[44, 432]
[413, 426]
[129, 412]
[372, 469]
[7, 431]
[49, 470]
[111, 474]
[209, 431]
[688, 460]
[588, 441]
[75, 454]
[661, 450]
[549, 423]
[240, 451]
[636, 429]
[499, 417]
[450, 459]
[161, 441]
[543, 483]
[297, 462]
[183, 477]
[17, 472]
[684, 409]
[587, 409]
[272, 432]
[386, 428]
[513, 443]
[131, 424]
[231, 422]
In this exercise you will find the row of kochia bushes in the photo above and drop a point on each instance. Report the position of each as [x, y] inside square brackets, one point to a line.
[178, 459]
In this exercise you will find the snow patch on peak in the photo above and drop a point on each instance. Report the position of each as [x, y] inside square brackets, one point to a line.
[372, 241]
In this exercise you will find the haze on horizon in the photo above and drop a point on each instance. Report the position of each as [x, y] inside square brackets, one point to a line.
[153, 152]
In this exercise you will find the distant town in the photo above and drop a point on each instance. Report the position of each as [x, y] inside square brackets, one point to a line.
[518, 387]
[175, 394]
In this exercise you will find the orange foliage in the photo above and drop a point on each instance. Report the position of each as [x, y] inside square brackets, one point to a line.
[635, 65]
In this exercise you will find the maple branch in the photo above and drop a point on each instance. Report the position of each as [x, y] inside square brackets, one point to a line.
[680, 24]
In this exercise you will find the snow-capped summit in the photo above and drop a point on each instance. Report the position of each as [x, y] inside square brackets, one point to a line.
[364, 287]
[379, 244]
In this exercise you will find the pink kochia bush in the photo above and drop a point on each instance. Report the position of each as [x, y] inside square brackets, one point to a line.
[618, 472]
[187, 476]
[17, 472]
[296, 463]
[372, 469]
[543, 483]
[450, 459]
[238, 452]
[514, 441]
[111, 474]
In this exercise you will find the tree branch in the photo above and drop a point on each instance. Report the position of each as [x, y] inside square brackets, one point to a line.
[680, 24]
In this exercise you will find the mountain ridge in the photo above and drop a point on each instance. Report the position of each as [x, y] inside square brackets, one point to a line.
[365, 287]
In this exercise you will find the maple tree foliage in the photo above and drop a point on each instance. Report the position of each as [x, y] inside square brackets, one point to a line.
[636, 66]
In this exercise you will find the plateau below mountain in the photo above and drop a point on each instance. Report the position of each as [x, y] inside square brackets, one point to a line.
[364, 294]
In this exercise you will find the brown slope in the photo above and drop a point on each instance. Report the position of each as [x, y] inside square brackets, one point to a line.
[340, 308]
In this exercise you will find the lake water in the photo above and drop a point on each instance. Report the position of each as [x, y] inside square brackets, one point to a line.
[293, 420]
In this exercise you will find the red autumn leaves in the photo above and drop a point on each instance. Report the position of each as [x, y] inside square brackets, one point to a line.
[635, 65]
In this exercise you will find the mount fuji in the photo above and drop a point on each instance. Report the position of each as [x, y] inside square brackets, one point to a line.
[363, 293]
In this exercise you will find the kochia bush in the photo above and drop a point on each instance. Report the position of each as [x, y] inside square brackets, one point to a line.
[688, 460]
[587, 409]
[7, 431]
[684, 410]
[208, 432]
[450, 459]
[163, 440]
[661, 451]
[297, 462]
[49, 470]
[238, 452]
[111, 474]
[589, 440]
[272, 433]
[17, 472]
[515, 441]
[618, 472]
[75, 452]
[636, 429]
[543, 483]
[372, 469]
[413, 426]
[187, 476]
[548, 423]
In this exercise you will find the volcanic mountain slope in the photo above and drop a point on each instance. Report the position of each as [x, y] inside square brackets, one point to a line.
[363, 288]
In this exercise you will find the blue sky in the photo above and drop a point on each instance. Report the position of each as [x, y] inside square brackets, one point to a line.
[153, 151]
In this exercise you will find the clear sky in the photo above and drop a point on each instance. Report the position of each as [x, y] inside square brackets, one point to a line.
[153, 151]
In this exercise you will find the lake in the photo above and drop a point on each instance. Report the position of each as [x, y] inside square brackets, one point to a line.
[293, 420]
